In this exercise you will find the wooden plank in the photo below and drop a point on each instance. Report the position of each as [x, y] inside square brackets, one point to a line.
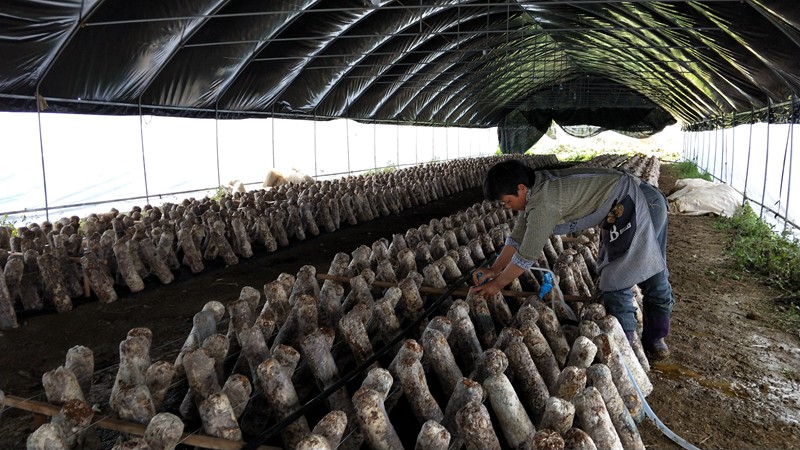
[110, 423]
[456, 293]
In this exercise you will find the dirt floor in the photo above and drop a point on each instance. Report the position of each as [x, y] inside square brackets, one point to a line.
[731, 382]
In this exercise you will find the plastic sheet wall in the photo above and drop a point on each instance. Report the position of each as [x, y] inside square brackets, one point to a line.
[757, 160]
[83, 164]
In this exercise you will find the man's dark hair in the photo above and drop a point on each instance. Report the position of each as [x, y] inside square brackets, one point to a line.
[504, 177]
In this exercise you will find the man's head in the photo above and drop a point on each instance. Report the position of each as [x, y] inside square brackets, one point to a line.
[505, 178]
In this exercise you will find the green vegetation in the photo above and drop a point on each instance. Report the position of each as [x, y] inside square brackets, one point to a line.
[11, 224]
[757, 249]
[790, 374]
[583, 153]
[219, 193]
[570, 153]
[688, 169]
[389, 168]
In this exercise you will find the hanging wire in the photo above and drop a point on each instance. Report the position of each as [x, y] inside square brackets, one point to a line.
[39, 102]
[144, 164]
[791, 160]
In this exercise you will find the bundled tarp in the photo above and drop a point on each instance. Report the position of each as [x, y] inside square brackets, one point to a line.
[697, 197]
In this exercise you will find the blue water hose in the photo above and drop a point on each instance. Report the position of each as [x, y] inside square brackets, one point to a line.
[652, 415]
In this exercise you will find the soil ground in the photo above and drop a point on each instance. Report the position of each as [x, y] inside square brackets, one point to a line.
[730, 383]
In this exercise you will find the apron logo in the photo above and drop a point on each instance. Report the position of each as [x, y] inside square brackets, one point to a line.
[619, 228]
[614, 234]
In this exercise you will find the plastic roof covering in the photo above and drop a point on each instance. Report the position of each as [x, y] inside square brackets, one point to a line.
[464, 63]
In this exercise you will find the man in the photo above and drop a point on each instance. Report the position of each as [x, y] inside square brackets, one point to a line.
[633, 219]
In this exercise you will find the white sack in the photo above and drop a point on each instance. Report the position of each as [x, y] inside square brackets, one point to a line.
[695, 197]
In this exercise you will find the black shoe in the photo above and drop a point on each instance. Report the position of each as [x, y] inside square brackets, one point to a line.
[657, 350]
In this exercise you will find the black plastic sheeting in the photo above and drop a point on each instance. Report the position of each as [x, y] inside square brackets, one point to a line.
[632, 66]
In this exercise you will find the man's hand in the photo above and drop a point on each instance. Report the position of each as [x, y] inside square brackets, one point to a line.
[482, 276]
[486, 290]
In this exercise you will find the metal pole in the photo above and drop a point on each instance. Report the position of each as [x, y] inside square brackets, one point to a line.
[446, 143]
[398, 143]
[766, 163]
[716, 150]
[470, 143]
[721, 141]
[733, 145]
[433, 144]
[458, 142]
[315, 143]
[793, 117]
[747, 170]
[216, 135]
[701, 139]
[686, 153]
[347, 131]
[709, 135]
[701, 148]
[273, 138]
[374, 144]
[416, 144]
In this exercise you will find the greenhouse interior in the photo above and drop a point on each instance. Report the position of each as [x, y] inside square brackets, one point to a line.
[232, 224]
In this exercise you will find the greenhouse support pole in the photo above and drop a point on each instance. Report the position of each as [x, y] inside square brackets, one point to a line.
[141, 139]
[709, 165]
[792, 118]
[39, 102]
[766, 161]
[216, 138]
[315, 143]
[272, 119]
[783, 174]
[416, 144]
[446, 143]
[684, 147]
[747, 168]
[723, 152]
[723, 164]
[697, 147]
[433, 144]
[374, 144]
[347, 139]
[687, 137]
[733, 145]
[701, 150]
[716, 150]
[398, 143]
[458, 142]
